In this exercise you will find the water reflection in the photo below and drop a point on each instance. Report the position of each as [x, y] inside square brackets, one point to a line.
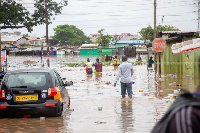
[98, 76]
[32, 125]
[126, 115]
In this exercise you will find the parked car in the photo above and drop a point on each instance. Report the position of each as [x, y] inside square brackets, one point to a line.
[33, 92]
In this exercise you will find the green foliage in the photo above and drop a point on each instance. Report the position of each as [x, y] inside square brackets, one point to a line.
[148, 33]
[24, 44]
[161, 28]
[75, 64]
[13, 14]
[69, 34]
[25, 35]
[103, 40]
[106, 63]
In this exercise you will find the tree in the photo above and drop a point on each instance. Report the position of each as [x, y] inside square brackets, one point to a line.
[25, 35]
[148, 33]
[15, 15]
[69, 34]
[104, 38]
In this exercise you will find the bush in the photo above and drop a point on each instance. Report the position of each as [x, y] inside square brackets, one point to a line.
[75, 64]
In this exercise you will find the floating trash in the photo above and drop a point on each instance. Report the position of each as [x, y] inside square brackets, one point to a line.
[96, 84]
[100, 93]
[190, 84]
[81, 81]
[99, 122]
[178, 85]
[42, 118]
[141, 90]
[170, 84]
[71, 109]
[172, 96]
[146, 94]
[108, 82]
[176, 92]
[99, 108]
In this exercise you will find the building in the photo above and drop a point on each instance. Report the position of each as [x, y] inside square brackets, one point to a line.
[123, 36]
[89, 50]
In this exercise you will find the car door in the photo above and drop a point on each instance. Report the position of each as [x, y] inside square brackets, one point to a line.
[61, 85]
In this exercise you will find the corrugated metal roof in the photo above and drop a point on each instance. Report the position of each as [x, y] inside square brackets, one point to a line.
[128, 42]
[10, 38]
[89, 45]
[177, 32]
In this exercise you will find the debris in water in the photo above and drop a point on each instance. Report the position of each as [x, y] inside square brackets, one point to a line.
[42, 118]
[99, 108]
[99, 122]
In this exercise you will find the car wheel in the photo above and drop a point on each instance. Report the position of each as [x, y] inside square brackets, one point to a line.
[59, 110]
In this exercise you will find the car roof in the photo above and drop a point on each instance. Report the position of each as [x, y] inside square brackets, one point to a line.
[32, 70]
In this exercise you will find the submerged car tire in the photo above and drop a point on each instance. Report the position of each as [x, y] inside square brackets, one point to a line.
[59, 111]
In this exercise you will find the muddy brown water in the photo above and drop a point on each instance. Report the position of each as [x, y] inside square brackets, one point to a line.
[96, 105]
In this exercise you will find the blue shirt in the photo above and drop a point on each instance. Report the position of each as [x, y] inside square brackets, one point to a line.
[125, 71]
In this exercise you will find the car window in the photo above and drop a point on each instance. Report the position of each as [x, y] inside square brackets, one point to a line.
[59, 79]
[57, 83]
[26, 79]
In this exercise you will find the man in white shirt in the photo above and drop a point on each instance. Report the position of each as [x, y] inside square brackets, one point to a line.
[125, 70]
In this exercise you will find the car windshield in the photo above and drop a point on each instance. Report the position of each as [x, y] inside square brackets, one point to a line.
[19, 80]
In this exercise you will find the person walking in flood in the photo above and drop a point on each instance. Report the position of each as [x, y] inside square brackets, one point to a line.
[125, 71]
[86, 68]
[115, 63]
[98, 70]
[89, 66]
[150, 62]
[98, 66]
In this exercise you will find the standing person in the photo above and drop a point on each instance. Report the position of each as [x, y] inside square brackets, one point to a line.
[126, 72]
[115, 63]
[89, 66]
[98, 66]
[86, 68]
[150, 62]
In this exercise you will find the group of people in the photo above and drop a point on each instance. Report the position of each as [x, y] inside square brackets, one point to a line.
[183, 116]
[125, 71]
[89, 65]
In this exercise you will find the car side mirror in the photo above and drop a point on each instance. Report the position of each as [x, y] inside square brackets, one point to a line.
[63, 78]
[68, 83]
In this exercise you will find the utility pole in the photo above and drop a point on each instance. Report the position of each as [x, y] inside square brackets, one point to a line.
[47, 43]
[198, 14]
[155, 54]
[154, 19]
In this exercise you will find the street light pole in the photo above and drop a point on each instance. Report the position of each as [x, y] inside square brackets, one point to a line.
[47, 43]
[154, 19]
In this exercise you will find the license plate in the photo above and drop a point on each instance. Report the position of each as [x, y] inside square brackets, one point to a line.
[27, 98]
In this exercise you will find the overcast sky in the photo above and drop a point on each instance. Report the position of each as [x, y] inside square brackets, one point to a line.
[120, 16]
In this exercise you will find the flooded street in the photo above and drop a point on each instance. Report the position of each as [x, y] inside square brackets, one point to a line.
[96, 105]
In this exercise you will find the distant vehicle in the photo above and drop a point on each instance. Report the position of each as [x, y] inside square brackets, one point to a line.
[33, 92]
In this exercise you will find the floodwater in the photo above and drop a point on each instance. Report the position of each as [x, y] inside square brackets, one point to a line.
[96, 105]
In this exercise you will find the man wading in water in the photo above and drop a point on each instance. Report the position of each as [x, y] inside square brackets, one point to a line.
[125, 70]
